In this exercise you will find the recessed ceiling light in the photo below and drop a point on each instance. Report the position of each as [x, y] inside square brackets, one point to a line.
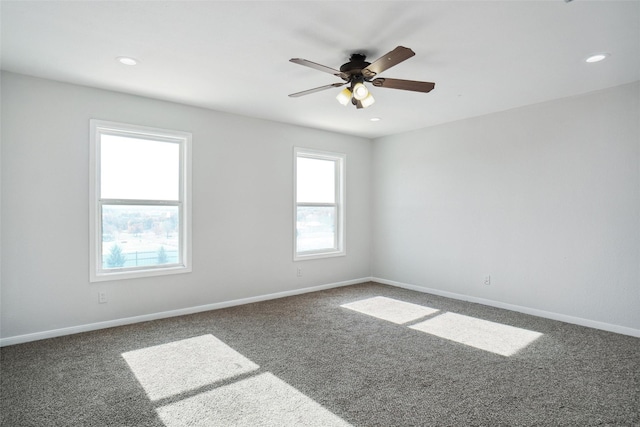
[127, 60]
[597, 57]
[375, 119]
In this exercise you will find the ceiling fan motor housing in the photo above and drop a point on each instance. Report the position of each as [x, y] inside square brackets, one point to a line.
[355, 65]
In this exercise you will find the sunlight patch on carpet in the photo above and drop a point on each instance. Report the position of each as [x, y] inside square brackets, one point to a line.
[482, 334]
[260, 400]
[170, 369]
[390, 309]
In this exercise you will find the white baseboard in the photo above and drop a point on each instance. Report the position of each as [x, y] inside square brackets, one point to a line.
[19, 339]
[521, 309]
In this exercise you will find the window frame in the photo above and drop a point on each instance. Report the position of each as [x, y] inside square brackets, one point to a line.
[339, 248]
[101, 127]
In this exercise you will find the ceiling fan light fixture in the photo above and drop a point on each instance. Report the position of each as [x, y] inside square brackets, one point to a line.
[344, 96]
[367, 101]
[360, 91]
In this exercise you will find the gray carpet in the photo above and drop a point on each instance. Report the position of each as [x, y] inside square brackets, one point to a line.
[336, 357]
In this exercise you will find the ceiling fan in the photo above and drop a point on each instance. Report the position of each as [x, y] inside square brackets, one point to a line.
[358, 71]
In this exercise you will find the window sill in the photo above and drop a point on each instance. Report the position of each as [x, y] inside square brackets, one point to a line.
[316, 255]
[122, 275]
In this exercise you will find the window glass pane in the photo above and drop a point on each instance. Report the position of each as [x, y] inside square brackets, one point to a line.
[133, 168]
[316, 228]
[134, 236]
[316, 180]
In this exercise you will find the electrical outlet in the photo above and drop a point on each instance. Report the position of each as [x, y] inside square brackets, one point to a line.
[299, 272]
[487, 280]
[102, 297]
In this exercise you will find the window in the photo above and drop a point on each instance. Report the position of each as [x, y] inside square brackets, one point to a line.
[319, 204]
[140, 213]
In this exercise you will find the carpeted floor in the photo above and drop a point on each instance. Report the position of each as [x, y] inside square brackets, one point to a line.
[362, 355]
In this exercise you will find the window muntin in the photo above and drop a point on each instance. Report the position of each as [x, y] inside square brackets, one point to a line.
[140, 201]
[319, 204]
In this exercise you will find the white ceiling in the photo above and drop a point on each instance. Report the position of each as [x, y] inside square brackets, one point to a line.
[233, 56]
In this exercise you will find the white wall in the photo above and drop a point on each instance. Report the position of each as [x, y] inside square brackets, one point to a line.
[242, 208]
[545, 199]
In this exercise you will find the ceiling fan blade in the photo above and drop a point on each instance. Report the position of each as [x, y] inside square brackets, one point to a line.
[403, 84]
[387, 61]
[320, 67]
[317, 89]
